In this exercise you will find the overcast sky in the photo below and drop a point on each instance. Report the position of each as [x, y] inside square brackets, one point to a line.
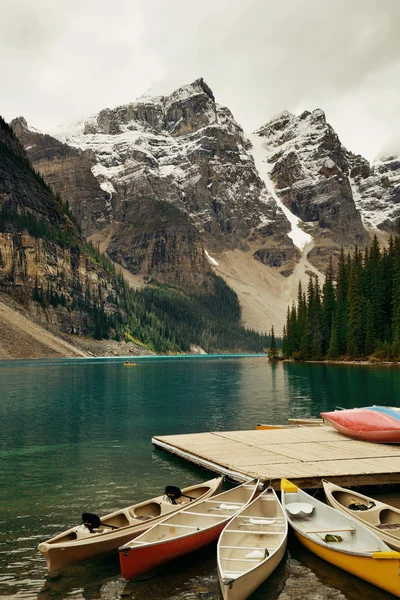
[62, 60]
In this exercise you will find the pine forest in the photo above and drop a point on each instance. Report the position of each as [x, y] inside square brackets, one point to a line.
[356, 313]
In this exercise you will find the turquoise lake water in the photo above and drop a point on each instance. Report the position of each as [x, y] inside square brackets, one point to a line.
[75, 436]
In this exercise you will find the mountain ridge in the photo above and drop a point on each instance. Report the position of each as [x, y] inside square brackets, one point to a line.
[122, 166]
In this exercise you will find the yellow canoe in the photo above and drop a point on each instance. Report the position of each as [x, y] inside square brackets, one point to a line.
[340, 539]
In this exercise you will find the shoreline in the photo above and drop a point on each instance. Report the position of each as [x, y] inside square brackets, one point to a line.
[361, 363]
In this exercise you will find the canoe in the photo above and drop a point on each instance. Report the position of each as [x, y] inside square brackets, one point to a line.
[129, 364]
[306, 422]
[293, 423]
[381, 518]
[186, 531]
[371, 423]
[340, 539]
[102, 535]
[262, 426]
[251, 546]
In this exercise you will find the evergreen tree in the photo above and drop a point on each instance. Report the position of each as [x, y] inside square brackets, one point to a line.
[273, 350]
[341, 313]
[356, 329]
[328, 306]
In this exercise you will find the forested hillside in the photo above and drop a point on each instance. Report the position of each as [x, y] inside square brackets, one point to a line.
[48, 266]
[356, 314]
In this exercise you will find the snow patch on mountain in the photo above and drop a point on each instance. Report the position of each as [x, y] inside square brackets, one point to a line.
[210, 259]
[259, 152]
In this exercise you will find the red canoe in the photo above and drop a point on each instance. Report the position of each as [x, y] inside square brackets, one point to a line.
[371, 424]
[194, 528]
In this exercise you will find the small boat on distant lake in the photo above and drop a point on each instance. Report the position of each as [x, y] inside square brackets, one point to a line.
[100, 535]
[251, 546]
[381, 518]
[340, 539]
[371, 424]
[188, 530]
[129, 364]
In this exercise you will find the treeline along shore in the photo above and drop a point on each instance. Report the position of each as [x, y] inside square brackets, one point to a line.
[356, 313]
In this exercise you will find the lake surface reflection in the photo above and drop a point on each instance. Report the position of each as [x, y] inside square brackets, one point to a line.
[76, 436]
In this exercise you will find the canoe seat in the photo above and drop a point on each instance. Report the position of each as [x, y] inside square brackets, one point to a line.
[389, 526]
[299, 509]
[259, 554]
[149, 509]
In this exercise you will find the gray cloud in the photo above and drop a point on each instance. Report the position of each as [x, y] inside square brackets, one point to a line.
[62, 60]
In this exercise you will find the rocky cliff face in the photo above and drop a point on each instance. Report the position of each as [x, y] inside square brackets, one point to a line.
[163, 178]
[311, 172]
[42, 252]
[376, 191]
[167, 176]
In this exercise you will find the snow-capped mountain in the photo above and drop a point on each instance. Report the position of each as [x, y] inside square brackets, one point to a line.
[171, 185]
[184, 155]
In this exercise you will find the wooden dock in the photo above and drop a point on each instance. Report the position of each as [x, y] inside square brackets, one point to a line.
[305, 455]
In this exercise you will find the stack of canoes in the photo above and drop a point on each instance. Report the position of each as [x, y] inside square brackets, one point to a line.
[371, 423]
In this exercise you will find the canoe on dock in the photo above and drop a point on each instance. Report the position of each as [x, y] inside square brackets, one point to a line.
[292, 424]
[371, 424]
[263, 426]
[97, 536]
[186, 531]
[381, 518]
[251, 546]
[306, 422]
[340, 539]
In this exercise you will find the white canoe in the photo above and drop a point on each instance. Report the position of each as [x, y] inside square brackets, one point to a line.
[306, 422]
[381, 518]
[340, 539]
[190, 529]
[251, 546]
[79, 543]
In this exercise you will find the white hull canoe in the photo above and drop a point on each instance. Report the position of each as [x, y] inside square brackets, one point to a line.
[340, 539]
[251, 546]
[263, 426]
[188, 530]
[78, 543]
[306, 422]
[382, 519]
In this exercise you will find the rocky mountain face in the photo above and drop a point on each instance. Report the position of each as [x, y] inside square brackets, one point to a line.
[166, 182]
[42, 251]
[311, 173]
[161, 178]
[376, 191]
